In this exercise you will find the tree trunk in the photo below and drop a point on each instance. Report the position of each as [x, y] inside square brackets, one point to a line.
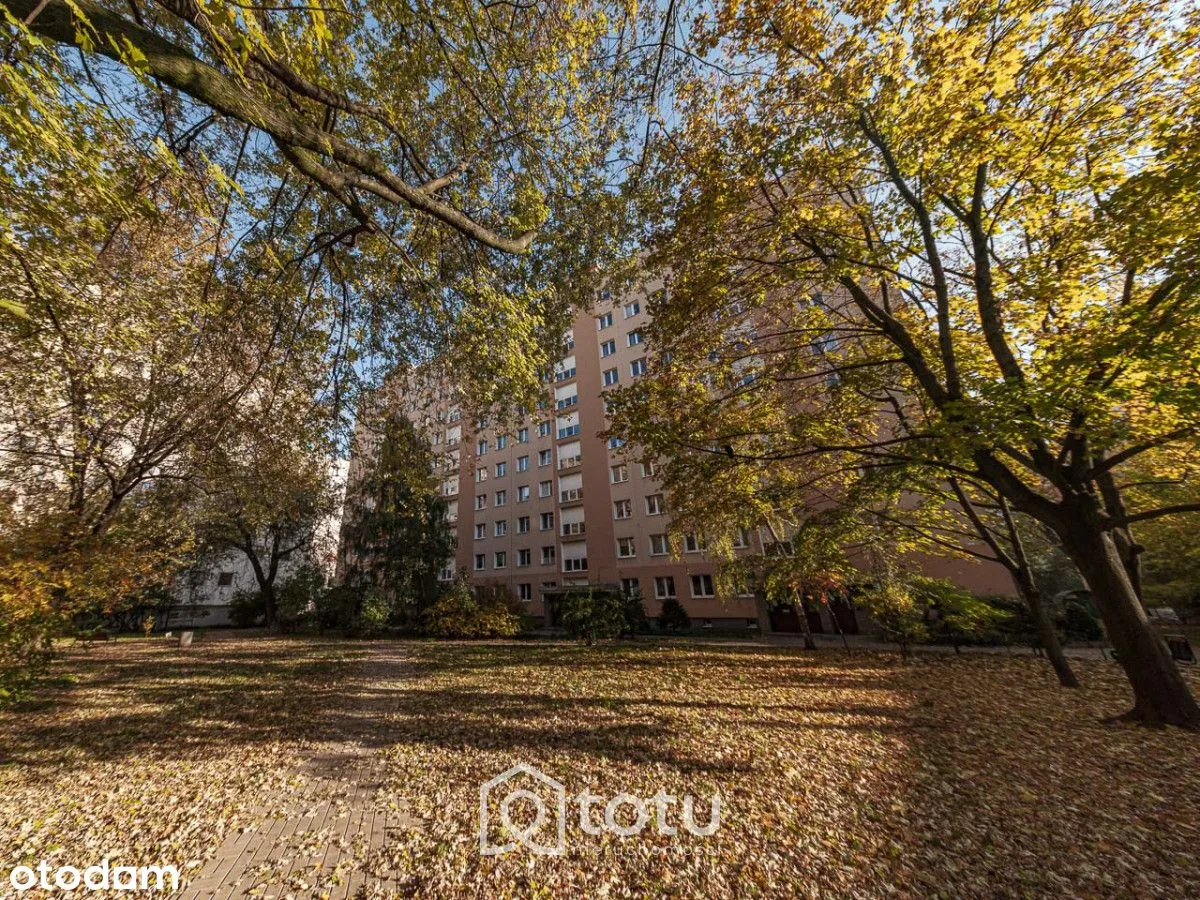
[1045, 627]
[809, 643]
[763, 612]
[1161, 696]
[266, 585]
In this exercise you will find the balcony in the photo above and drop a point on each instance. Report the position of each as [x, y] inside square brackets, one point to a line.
[574, 495]
[575, 565]
[572, 529]
[570, 462]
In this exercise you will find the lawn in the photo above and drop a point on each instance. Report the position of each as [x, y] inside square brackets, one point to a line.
[839, 775]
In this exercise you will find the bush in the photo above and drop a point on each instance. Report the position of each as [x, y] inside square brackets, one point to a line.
[592, 614]
[25, 651]
[374, 614]
[636, 620]
[1080, 620]
[960, 616]
[673, 616]
[457, 613]
[918, 609]
[247, 609]
[297, 600]
[896, 608]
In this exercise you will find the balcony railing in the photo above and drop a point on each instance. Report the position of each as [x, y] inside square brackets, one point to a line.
[570, 462]
[574, 495]
[573, 528]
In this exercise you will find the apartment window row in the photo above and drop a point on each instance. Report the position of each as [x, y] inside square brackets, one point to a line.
[524, 559]
[701, 586]
[623, 509]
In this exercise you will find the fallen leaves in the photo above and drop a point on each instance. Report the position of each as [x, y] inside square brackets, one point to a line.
[839, 775]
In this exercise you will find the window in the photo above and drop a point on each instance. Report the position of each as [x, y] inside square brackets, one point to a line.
[547, 521]
[608, 348]
[501, 469]
[616, 443]
[548, 556]
[610, 377]
[632, 309]
[604, 321]
[523, 493]
[649, 470]
[620, 473]
[225, 579]
[481, 422]
[480, 530]
[523, 525]
[637, 367]
[523, 436]
[481, 474]
[502, 442]
[664, 587]
[480, 562]
[633, 338]
[525, 591]
[741, 540]
[501, 528]
[544, 429]
[543, 457]
[575, 564]
[655, 505]
[658, 545]
[569, 431]
[567, 401]
[702, 586]
[524, 557]
[631, 587]
[522, 463]
[545, 488]
[501, 560]
[501, 497]
[481, 501]
[626, 547]
[694, 543]
[481, 448]
[622, 509]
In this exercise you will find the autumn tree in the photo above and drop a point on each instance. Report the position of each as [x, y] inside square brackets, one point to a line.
[417, 150]
[270, 495]
[129, 352]
[974, 213]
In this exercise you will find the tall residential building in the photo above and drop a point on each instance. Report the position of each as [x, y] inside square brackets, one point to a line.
[547, 502]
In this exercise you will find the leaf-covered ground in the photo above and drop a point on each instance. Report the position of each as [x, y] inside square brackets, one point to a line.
[840, 775]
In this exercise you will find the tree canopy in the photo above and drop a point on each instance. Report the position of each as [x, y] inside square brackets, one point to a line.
[946, 234]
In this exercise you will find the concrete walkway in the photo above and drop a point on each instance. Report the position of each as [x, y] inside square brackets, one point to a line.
[321, 838]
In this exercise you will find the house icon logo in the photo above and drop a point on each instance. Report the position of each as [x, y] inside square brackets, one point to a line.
[521, 787]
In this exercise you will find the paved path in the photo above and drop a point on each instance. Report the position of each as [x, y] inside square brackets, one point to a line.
[322, 838]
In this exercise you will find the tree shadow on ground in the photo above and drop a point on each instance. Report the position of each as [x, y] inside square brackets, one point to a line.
[147, 701]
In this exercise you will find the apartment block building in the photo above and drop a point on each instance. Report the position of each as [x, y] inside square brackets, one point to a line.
[547, 502]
